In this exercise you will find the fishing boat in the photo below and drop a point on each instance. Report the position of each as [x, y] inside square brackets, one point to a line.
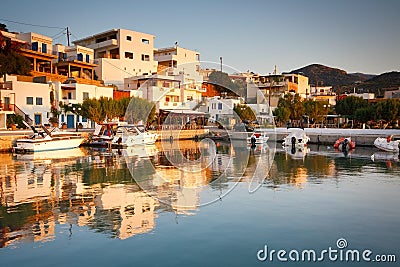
[121, 135]
[48, 140]
[387, 144]
[257, 137]
[344, 144]
[297, 137]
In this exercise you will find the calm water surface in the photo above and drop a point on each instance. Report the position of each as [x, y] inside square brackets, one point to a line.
[188, 204]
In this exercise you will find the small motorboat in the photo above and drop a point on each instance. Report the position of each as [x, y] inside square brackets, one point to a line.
[344, 144]
[297, 137]
[121, 134]
[257, 137]
[48, 140]
[387, 144]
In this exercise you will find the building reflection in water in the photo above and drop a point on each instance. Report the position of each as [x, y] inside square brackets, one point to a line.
[120, 192]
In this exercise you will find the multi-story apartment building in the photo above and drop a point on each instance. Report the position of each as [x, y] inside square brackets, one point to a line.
[275, 86]
[51, 67]
[121, 54]
[177, 84]
[323, 94]
[55, 63]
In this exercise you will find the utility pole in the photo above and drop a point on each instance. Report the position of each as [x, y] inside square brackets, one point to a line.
[68, 34]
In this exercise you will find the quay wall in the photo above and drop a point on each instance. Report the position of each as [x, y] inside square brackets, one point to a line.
[328, 136]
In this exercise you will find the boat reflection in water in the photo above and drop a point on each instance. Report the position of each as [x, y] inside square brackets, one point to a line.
[121, 192]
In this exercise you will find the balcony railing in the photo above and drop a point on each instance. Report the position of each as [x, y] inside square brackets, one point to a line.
[40, 50]
[77, 58]
[14, 108]
[6, 86]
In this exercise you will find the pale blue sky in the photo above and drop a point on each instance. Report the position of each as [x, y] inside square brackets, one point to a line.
[357, 36]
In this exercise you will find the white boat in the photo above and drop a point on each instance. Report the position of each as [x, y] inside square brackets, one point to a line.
[46, 141]
[387, 144]
[296, 137]
[122, 135]
[258, 137]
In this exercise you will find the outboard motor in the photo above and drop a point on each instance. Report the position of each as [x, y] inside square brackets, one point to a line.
[345, 143]
[293, 143]
[253, 141]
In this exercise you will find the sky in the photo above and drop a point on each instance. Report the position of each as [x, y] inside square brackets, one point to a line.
[249, 35]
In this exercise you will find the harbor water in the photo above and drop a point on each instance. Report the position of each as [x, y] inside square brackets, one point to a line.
[199, 204]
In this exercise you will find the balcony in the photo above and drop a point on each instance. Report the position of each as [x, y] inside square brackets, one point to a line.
[39, 51]
[6, 86]
[78, 59]
[163, 58]
[105, 44]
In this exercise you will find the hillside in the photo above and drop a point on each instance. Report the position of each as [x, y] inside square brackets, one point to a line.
[324, 75]
[379, 83]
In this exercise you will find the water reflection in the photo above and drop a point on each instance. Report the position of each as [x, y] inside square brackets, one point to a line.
[103, 190]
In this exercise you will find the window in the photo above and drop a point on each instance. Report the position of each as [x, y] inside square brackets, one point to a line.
[85, 95]
[145, 57]
[35, 46]
[219, 106]
[44, 48]
[198, 57]
[129, 38]
[129, 55]
[145, 41]
[39, 101]
[87, 59]
[29, 100]
[80, 57]
[69, 95]
[84, 119]
[213, 105]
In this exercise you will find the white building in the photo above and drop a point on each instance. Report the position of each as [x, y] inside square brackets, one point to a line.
[121, 54]
[32, 100]
[76, 93]
[178, 83]
[222, 109]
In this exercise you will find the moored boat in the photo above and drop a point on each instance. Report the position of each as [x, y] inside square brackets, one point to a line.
[387, 144]
[296, 137]
[257, 137]
[46, 141]
[344, 144]
[121, 135]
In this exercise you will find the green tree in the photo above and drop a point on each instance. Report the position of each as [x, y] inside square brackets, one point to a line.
[244, 112]
[315, 110]
[11, 61]
[364, 114]
[92, 109]
[349, 105]
[282, 114]
[388, 110]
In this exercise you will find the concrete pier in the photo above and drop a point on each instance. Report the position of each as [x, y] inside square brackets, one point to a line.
[328, 136]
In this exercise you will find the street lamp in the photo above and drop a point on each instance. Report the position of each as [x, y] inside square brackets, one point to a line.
[327, 107]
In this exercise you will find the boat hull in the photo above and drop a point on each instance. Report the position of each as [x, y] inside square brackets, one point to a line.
[35, 145]
[383, 144]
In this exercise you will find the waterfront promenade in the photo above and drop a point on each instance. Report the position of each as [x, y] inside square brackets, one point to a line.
[322, 136]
